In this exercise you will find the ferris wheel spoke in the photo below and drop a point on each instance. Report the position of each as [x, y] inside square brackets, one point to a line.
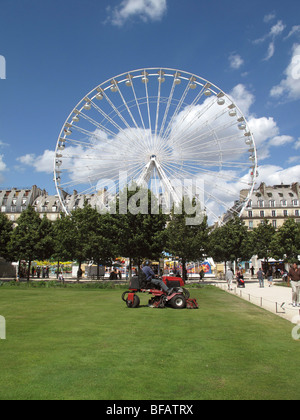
[127, 125]
[174, 116]
[170, 99]
[213, 174]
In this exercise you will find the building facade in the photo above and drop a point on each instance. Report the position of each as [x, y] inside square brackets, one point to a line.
[276, 204]
[14, 201]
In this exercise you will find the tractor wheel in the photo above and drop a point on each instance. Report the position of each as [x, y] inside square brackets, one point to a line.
[135, 303]
[178, 302]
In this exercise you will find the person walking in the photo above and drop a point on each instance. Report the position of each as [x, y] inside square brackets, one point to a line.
[229, 278]
[270, 277]
[294, 276]
[261, 278]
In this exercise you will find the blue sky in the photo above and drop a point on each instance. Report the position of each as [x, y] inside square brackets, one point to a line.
[57, 51]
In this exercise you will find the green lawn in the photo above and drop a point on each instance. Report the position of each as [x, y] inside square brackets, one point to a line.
[86, 344]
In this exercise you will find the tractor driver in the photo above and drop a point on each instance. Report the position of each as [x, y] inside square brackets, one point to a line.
[150, 276]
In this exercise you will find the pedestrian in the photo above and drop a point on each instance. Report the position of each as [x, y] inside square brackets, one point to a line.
[252, 271]
[61, 277]
[270, 277]
[114, 275]
[261, 278]
[294, 276]
[229, 278]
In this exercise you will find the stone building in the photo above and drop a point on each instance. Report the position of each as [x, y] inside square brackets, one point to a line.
[14, 201]
[274, 203]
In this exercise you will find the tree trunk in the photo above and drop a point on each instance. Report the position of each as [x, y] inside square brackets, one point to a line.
[98, 270]
[28, 273]
[57, 274]
[130, 268]
[184, 271]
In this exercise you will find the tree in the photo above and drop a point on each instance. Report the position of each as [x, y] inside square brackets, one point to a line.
[263, 235]
[6, 229]
[26, 238]
[102, 245]
[186, 241]
[63, 239]
[140, 225]
[46, 242]
[231, 242]
[286, 243]
[85, 235]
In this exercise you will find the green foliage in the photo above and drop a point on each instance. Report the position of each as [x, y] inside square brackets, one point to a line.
[140, 231]
[231, 242]
[6, 228]
[286, 243]
[186, 241]
[263, 235]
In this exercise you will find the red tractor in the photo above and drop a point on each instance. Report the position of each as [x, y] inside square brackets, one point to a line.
[179, 299]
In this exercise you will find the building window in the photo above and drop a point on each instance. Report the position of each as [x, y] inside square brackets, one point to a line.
[261, 203]
[273, 213]
[249, 205]
[285, 213]
[250, 214]
[283, 203]
[262, 214]
[251, 225]
[295, 203]
[272, 203]
[297, 213]
[274, 223]
[3, 209]
[13, 209]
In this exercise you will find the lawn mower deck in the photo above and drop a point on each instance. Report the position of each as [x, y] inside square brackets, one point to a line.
[179, 299]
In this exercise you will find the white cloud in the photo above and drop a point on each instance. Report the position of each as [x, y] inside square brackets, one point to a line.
[235, 61]
[3, 167]
[271, 51]
[43, 163]
[269, 17]
[294, 159]
[265, 129]
[146, 10]
[275, 175]
[276, 31]
[290, 85]
[279, 141]
[294, 31]
[243, 98]
[297, 144]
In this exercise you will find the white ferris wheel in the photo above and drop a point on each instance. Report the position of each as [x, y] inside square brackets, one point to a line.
[160, 127]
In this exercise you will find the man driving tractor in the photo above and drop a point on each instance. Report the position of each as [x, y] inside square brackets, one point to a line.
[150, 276]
